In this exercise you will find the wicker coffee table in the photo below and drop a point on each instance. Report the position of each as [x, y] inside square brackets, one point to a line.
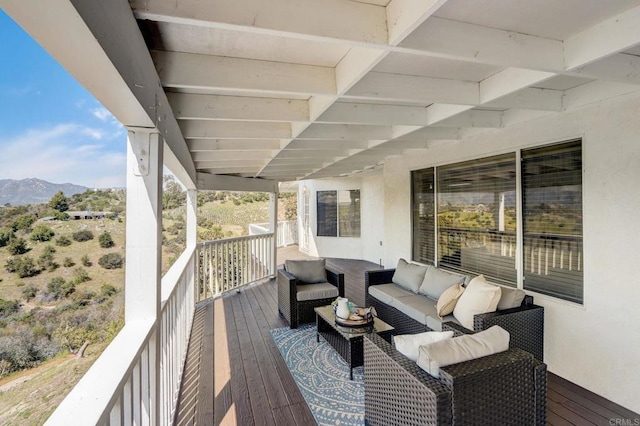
[347, 341]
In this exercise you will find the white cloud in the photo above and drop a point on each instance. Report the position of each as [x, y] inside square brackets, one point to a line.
[102, 114]
[62, 154]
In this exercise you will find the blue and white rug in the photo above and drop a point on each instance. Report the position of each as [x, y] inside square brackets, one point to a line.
[322, 376]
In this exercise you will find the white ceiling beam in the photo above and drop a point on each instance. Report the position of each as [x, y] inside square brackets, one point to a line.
[230, 170]
[361, 113]
[231, 155]
[426, 133]
[207, 72]
[310, 19]
[229, 163]
[398, 88]
[232, 183]
[96, 38]
[327, 144]
[474, 118]
[346, 131]
[192, 129]
[610, 36]
[530, 98]
[595, 92]
[509, 81]
[439, 112]
[311, 153]
[215, 107]
[515, 116]
[474, 43]
[208, 145]
[404, 16]
[620, 68]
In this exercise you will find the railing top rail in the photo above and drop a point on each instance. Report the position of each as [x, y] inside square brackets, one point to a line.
[228, 240]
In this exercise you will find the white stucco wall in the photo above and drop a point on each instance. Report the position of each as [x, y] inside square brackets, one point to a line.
[596, 345]
[366, 247]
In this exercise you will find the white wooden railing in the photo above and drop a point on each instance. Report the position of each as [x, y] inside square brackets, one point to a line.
[120, 387]
[287, 231]
[229, 264]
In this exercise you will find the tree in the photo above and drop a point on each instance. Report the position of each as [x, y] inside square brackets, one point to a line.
[6, 235]
[111, 261]
[18, 246]
[24, 221]
[59, 202]
[81, 236]
[105, 240]
[42, 233]
[172, 195]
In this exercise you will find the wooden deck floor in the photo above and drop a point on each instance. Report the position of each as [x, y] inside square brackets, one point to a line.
[234, 373]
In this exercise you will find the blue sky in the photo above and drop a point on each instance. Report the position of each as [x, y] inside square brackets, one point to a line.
[51, 128]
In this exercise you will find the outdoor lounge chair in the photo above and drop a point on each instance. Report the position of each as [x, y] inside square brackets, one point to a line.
[506, 388]
[313, 286]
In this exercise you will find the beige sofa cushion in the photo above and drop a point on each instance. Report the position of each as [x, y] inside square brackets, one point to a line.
[409, 275]
[388, 293]
[436, 281]
[510, 298]
[445, 352]
[478, 298]
[408, 344]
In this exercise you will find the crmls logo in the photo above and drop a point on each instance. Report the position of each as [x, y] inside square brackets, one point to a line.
[624, 422]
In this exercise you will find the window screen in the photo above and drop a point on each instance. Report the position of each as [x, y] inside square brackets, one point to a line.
[338, 213]
[552, 225]
[477, 217]
[327, 214]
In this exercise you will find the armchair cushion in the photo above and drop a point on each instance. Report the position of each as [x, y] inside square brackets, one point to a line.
[464, 348]
[307, 271]
[408, 344]
[409, 275]
[510, 298]
[478, 298]
[316, 291]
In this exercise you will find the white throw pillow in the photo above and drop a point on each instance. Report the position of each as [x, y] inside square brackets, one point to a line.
[479, 297]
[408, 344]
[447, 301]
[464, 348]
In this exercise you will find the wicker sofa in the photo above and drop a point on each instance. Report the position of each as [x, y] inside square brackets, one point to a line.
[299, 310]
[506, 388]
[525, 323]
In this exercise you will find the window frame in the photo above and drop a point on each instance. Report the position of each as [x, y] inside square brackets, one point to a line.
[320, 219]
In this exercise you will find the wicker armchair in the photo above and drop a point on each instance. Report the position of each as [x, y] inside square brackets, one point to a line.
[525, 323]
[301, 312]
[507, 388]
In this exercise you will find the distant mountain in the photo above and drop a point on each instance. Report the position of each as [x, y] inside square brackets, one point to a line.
[33, 191]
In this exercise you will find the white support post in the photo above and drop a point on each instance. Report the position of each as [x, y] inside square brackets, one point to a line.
[192, 219]
[273, 227]
[144, 238]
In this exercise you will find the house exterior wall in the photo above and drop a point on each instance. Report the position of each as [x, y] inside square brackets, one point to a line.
[371, 220]
[594, 345]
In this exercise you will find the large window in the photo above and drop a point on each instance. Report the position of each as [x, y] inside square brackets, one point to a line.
[475, 227]
[552, 225]
[477, 217]
[338, 213]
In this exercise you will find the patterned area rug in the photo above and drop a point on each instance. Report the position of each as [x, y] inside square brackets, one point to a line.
[322, 376]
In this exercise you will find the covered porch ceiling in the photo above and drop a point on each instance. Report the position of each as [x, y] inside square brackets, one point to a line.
[287, 90]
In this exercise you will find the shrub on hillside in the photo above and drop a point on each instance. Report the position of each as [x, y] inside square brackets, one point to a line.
[17, 246]
[42, 233]
[23, 221]
[80, 275]
[63, 241]
[23, 266]
[86, 261]
[6, 235]
[105, 240]
[29, 292]
[81, 236]
[59, 288]
[68, 262]
[111, 261]
[47, 260]
[8, 307]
